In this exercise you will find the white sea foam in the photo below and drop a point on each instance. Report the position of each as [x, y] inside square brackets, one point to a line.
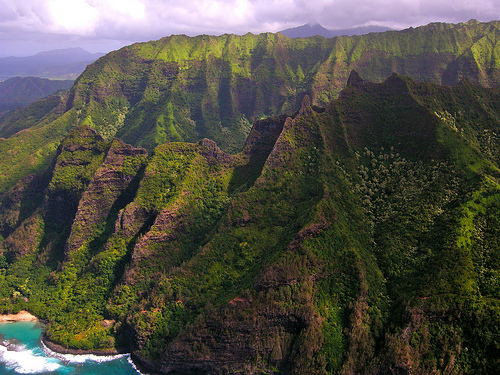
[81, 358]
[25, 361]
[131, 363]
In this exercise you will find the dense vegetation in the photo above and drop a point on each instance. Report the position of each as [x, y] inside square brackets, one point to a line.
[17, 92]
[357, 238]
[358, 235]
[185, 89]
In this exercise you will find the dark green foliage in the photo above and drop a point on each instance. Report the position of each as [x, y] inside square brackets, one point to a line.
[184, 89]
[17, 92]
[362, 238]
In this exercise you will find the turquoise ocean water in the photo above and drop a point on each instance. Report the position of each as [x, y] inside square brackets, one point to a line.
[21, 352]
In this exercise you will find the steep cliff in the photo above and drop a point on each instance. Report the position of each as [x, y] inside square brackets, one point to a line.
[183, 88]
[358, 238]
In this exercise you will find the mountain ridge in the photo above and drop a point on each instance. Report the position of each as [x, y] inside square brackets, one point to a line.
[66, 64]
[184, 89]
[356, 238]
[313, 29]
[20, 91]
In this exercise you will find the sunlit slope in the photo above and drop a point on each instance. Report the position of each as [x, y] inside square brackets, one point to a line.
[184, 88]
[358, 238]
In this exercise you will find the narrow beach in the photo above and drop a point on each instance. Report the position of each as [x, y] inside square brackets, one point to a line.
[21, 316]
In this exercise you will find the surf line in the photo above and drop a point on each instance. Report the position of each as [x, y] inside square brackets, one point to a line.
[80, 358]
[25, 361]
[25, 316]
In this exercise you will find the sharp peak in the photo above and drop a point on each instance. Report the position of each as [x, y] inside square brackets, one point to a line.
[354, 79]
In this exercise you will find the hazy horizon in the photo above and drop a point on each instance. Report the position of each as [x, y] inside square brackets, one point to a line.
[31, 26]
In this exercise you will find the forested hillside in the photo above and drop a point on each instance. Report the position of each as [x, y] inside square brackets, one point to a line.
[17, 92]
[356, 238]
[184, 88]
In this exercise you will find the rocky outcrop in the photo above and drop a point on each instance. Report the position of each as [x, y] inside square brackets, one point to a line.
[108, 185]
[213, 153]
[131, 219]
[21, 201]
[63, 350]
[263, 136]
[76, 161]
[24, 240]
[166, 227]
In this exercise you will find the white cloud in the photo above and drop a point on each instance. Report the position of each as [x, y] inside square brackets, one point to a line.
[88, 17]
[152, 19]
[74, 17]
[143, 17]
[122, 11]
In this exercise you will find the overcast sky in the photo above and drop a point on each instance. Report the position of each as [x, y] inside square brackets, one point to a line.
[31, 26]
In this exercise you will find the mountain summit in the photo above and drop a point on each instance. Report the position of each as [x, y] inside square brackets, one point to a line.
[309, 30]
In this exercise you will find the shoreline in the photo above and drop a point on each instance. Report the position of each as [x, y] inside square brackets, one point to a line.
[63, 350]
[25, 316]
[21, 316]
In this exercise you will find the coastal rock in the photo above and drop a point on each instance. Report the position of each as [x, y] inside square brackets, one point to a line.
[63, 350]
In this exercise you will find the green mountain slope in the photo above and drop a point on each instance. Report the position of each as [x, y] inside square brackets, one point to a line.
[185, 89]
[361, 238]
[16, 92]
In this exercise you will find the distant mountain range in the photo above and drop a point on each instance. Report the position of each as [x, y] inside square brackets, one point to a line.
[309, 30]
[66, 63]
[20, 91]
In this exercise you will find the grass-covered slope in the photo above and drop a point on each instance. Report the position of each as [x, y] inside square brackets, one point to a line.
[361, 238]
[183, 88]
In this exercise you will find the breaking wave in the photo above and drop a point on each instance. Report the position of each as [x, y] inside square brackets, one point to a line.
[131, 363]
[32, 356]
[26, 361]
[81, 358]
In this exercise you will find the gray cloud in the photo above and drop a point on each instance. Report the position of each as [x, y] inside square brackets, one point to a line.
[137, 20]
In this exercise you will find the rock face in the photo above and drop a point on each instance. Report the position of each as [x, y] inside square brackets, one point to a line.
[106, 191]
[185, 89]
[358, 238]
